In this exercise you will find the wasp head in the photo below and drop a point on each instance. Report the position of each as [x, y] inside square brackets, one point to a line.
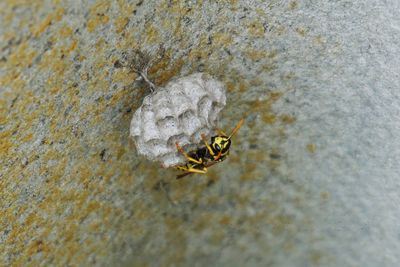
[220, 144]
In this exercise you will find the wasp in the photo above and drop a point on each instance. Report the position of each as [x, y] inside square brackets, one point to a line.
[199, 160]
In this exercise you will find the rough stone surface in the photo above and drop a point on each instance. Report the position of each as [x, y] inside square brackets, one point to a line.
[313, 174]
[179, 113]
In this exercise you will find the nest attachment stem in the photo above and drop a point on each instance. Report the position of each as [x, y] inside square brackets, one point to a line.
[143, 74]
[140, 62]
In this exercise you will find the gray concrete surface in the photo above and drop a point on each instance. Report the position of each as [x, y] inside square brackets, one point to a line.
[313, 175]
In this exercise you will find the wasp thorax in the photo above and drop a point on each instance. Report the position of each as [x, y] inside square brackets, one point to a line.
[177, 113]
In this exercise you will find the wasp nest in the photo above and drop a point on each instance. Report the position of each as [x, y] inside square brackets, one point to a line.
[179, 112]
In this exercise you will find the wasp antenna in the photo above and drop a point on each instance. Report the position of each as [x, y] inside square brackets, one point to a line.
[236, 128]
[220, 132]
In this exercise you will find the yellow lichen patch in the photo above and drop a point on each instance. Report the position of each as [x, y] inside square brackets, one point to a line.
[203, 221]
[9, 36]
[255, 158]
[250, 171]
[96, 21]
[49, 59]
[233, 2]
[5, 146]
[256, 55]
[222, 39]
[27, 138]
[120, 152]
[125, 8]
[319, 40]
[230, 86]
[301, 31]
[128, 42]
[197, 54]
[100, 7]
[71, 47]
[53, 90]
[65, 31]
[100, 46]
[273, 163]
[243, 85]
[316, 257]
[311, 148]
[117, 97]
[81, 58]
[175, 25]
[324, 195]
[167, 74]
[287, 119]
[42, 26]
[124, 76]
[260, 12]
[3, 117]
[225, 220]
[37, 246]
[264, 108]
[279, 223]
[268, 67]
[7, 18]
[152, 35]
[288, 76]
[293, 5]
[97, 15]
[269, 118]
[243, 199]
[99, 84]
[120, 24]
[256, 29]
[176, 234]
[54, 60]
[22, 56]
[177, 9]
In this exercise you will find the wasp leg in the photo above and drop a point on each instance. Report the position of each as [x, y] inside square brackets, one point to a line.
[189, 170]
[203, 137]
[204, 170]
[218, 156]
[184, 168]
[189, 158]
[181, 168]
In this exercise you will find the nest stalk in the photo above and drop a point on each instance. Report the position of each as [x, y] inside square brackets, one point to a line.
[140, 62]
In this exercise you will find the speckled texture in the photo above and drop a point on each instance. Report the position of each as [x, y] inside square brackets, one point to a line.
[313, 175]
[178, 113]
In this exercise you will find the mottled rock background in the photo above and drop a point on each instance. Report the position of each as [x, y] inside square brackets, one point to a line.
[313, 177]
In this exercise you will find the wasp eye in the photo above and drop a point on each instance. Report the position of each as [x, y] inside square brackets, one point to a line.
[217, 147]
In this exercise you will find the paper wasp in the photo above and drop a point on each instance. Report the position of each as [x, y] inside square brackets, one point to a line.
[199, 160]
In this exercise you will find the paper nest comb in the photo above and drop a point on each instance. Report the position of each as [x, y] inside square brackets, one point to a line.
[179, 112]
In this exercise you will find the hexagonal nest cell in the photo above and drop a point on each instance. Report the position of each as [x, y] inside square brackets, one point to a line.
[179, 112]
